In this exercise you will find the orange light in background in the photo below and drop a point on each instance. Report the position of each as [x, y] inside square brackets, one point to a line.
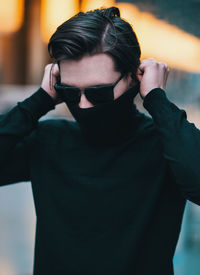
[11, 15]
[54, 13]
[158, 39]
[95, 4]
[162, 41]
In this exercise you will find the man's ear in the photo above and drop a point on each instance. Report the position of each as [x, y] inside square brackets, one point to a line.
[131, 81]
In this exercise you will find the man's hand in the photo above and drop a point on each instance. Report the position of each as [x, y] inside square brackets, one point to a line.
[49, 79]
[152, 74]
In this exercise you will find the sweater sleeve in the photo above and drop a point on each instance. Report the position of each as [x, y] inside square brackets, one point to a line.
[180, 140]
[16, 135]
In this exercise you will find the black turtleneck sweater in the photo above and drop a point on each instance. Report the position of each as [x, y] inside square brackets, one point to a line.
[103, 211]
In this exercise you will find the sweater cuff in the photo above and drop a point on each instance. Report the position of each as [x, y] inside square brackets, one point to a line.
[38, 104]
[155, 100]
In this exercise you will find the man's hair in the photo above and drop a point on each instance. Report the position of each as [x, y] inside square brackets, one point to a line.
[97, 31]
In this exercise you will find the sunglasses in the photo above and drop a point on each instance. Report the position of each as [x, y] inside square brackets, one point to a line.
[95, 94]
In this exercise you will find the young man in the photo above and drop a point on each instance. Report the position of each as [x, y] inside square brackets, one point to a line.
[109, 188]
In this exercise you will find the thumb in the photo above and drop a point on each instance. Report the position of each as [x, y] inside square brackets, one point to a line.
[55, 69]
[54, 72]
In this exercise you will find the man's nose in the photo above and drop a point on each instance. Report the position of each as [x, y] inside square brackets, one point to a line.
[84, 103]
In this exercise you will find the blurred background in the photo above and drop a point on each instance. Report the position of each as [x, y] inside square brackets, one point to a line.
[168, 31]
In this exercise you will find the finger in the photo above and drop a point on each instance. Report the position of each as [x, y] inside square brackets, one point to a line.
[168, 71]
[166, 77]
[139, 71]
[55, 69]
[147, 63]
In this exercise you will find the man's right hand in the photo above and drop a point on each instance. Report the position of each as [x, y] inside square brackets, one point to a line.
[49, 79]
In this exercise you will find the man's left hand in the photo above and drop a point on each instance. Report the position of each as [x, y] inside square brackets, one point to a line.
[152, 74]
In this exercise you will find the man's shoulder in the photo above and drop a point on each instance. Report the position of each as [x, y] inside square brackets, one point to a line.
[145, 123]
[58, 122]
[147, 132]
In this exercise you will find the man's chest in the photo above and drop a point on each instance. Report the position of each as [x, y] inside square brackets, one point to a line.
[107, 186]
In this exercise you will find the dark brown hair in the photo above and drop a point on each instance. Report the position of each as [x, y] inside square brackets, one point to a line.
[97, 31]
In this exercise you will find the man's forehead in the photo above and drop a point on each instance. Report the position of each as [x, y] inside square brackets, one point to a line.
[88, 79]
[88, 71]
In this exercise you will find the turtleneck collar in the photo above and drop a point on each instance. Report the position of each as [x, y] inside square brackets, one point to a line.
[110, 123]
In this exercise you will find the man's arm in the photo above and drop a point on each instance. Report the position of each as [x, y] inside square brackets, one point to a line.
[180, 138]
[181, 142]
[16, 128]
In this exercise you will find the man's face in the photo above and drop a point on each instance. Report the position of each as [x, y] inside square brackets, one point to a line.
[92, 71]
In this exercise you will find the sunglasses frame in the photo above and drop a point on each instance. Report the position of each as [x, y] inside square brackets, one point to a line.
[88, 91]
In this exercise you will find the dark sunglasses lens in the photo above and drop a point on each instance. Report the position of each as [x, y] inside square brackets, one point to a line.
[68, 94]
[96, 95]
[99, 95]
